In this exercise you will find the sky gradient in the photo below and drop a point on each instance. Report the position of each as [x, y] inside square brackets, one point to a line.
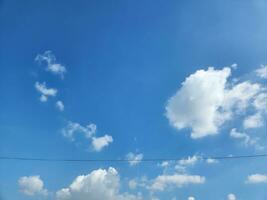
[133, 80]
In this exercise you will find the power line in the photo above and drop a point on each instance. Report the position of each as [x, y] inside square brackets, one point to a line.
[129, 160]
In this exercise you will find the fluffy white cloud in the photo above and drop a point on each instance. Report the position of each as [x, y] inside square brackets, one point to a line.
[98, 143]
[52, 66]
[45, 92]
[176, 180]
[231, 197]
[98, 185]
[257, 178]
[60, 106]
[246, 139]
[89, 132]
[32, 185]
[134, 159]
[262, 72]
[206, 100]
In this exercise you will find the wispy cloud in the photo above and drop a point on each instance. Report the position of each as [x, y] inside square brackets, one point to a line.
[134, 159]
[51, 65]
[89, 132]
[45, 92]
[256, 179]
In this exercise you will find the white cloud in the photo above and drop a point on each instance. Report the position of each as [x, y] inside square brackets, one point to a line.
[89, 132]
[32, 185]
[231, 197]
[175, 180]
[191, 198]
[262, 72]
[164, 164]
[253, 121]
[189, 161]
[132, 184]
[52, 66]
[206, 100]
[45, 92]
[98, 185]
[246, 139]
[60, 106]
[260, 102]
[134, 159]
[257, 178]
[75, 128]
[98, 143]
[211, 161]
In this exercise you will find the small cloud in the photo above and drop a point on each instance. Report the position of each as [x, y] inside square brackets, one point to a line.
[74, 128]
[246, 139]
[234, 66]
[253, 121]
[45, 92]
[262, 71]
[32, 185]
[256, 179]
[231, 197]
[98, 143]
[134, 159]
[175, 180]
[191, 198]
[60, 106]
[211, 161]
[51, 64]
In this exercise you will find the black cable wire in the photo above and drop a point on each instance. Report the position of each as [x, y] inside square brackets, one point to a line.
[129, 160]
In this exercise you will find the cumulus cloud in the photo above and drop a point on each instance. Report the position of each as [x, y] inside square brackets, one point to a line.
[176, 180]
[51, 65]
[98, 185]
[99, 143]
[246, 139]
[134, 159]
[60, 106]
[256, 178]
[262, 72]
[231, 197]
[253, 121]
[32, 185]
[89, 132]
[45, 92]
[207, 99]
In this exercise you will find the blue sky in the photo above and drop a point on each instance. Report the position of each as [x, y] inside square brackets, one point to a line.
[119, 66]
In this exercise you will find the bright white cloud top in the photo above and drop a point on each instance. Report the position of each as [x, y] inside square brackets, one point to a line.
[32, 185]
[98, 143]
[51, 64]
[231, 196]
[256, 178]
[98, 185]
[207, 99]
